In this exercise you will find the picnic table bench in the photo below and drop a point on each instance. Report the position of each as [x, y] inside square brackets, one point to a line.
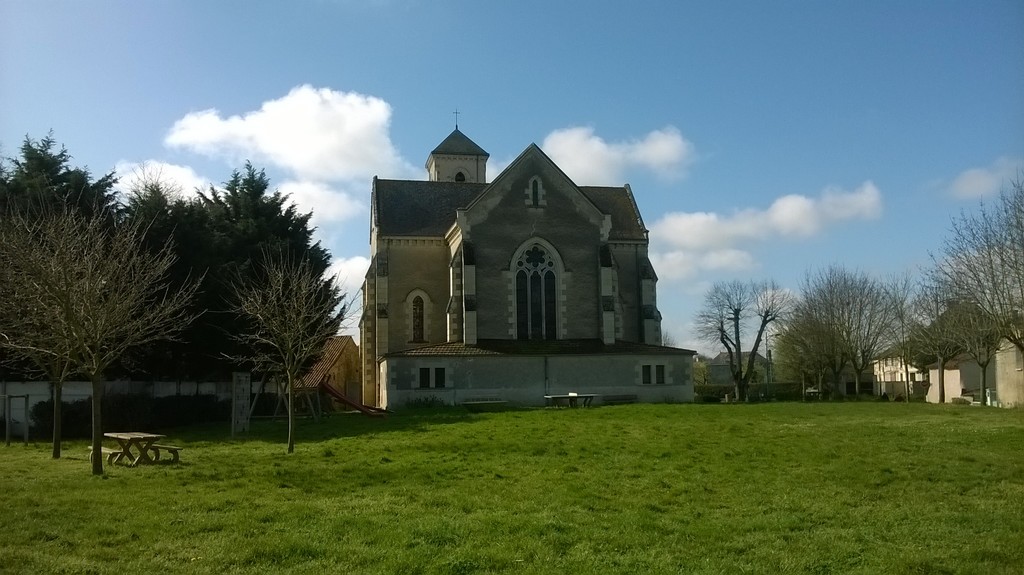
[173, 450]
[138, 447]
[112, 455]
[570, 399]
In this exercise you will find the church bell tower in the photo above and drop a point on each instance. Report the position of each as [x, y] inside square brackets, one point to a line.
[457, 159]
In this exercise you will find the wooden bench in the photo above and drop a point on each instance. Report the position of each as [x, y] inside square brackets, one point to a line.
[483, 403]
[173, 450]
[112, 455]
[617, 399]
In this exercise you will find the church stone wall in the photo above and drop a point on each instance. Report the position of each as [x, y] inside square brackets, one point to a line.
[522, 381]
[572, 226]
[417, 265]
[627, 258]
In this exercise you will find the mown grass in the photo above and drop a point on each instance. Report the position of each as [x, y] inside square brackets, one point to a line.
[770, 488]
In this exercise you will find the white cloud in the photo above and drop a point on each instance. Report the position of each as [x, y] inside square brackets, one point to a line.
[326, 203]
[131, 174]
[590, 160]
[686, 244]
[315, 133]
[981, 182]
[349, 273]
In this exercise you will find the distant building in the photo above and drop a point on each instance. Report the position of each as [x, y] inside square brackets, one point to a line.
[891, 375]
[527, 286]
[1005, 380]
[720, 372]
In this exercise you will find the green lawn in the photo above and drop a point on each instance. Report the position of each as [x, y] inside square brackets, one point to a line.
[771, 488]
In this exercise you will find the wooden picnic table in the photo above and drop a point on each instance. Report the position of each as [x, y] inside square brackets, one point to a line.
[132, 442]
[571, 399]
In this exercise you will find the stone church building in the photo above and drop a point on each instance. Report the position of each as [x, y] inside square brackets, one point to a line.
[527, 286]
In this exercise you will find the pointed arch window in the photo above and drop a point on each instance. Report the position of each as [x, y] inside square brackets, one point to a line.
[417, 319]
[460, 177]
[536, 295]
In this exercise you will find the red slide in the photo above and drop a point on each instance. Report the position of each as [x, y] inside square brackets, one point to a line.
[365, 409]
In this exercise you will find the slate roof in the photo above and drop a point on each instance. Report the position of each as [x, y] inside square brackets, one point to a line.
[618, 203]
[511, 347]
[723, 358]
[458, 144]
[419, 208]
[423, 208]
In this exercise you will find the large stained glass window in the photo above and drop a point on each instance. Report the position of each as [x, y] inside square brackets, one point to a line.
[536, 296]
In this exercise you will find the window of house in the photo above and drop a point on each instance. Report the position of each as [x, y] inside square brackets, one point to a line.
[417, 319]
[536, 295]
[659, 374]
[432, 377]
[645, 374]
[460, 177]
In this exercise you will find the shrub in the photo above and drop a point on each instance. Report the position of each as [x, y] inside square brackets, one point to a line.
[130, 412]
[428, 402]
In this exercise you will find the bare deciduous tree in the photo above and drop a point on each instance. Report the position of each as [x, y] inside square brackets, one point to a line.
[292, 311]
[900, 290]
[824, 314]
[978, 334]
[97, 291]
[871, 319]
[933, 333]
[735, 309]
[983, 259]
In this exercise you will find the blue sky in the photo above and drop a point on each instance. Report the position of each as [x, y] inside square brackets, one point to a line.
[761, 139]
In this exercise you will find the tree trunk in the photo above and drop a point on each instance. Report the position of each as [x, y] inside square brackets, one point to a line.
[57, 404]
[97, 425]
[942, 380]
[984, 384]
[908, 388]
[291, 419]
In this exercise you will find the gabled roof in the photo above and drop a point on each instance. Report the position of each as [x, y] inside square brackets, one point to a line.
[332, 352]
[419, 208]
[618, 203]
[425, 208]
[458, 144]
[512, 347]
[723, 358]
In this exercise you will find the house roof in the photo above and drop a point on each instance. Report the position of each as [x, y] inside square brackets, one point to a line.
[458, 144]
[723, 358]
[320, 370]
[510, 347]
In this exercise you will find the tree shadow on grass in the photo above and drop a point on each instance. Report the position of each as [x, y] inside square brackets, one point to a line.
[333, 426]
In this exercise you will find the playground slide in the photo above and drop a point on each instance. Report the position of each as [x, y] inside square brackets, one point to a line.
[365, 409]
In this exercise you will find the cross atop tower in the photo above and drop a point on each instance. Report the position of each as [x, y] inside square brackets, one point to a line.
[456, 112]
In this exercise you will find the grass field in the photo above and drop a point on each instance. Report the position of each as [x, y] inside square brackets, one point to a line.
[769, 488]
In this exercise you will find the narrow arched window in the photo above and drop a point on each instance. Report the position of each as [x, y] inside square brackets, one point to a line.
[535, 193]
[417, 319]
[536, 295]
[460, 177]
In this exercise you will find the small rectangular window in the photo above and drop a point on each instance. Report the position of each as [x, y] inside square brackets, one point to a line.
[646, 371]
[424, 377]
[659, 374]
[438, 377]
